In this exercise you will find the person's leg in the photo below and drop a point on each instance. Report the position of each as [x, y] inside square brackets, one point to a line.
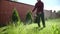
[42, 18]
[38, 20]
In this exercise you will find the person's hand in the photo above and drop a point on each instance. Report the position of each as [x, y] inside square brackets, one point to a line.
[39, 13]
[32, 12]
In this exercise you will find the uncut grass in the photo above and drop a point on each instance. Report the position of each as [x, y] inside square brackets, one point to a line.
[52, 27]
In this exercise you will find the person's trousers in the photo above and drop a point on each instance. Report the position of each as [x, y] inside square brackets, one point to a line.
[42, 18]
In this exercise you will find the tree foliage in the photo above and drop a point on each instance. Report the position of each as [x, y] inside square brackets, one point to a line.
[28, 17]
[58, 12]
[15, 16]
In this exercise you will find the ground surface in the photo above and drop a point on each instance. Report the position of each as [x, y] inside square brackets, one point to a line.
[52, 27]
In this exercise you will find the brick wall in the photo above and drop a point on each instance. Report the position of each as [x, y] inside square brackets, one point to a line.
[6, 8]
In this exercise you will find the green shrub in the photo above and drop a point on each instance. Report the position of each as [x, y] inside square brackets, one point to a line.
[15, 16]
[28, 17]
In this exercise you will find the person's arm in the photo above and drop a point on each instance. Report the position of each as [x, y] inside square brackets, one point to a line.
[43, 6]
[34, 8]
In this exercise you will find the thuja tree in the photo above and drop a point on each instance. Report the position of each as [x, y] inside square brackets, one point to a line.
[28, 17]
[15, 16]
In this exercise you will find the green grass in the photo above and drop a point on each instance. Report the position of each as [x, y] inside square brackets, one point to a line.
[52, 27]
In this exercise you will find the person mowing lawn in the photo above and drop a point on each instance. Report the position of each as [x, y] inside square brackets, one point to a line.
[40, 14]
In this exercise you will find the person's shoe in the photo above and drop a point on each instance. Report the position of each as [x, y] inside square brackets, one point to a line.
[44, 26]
[39, 26]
